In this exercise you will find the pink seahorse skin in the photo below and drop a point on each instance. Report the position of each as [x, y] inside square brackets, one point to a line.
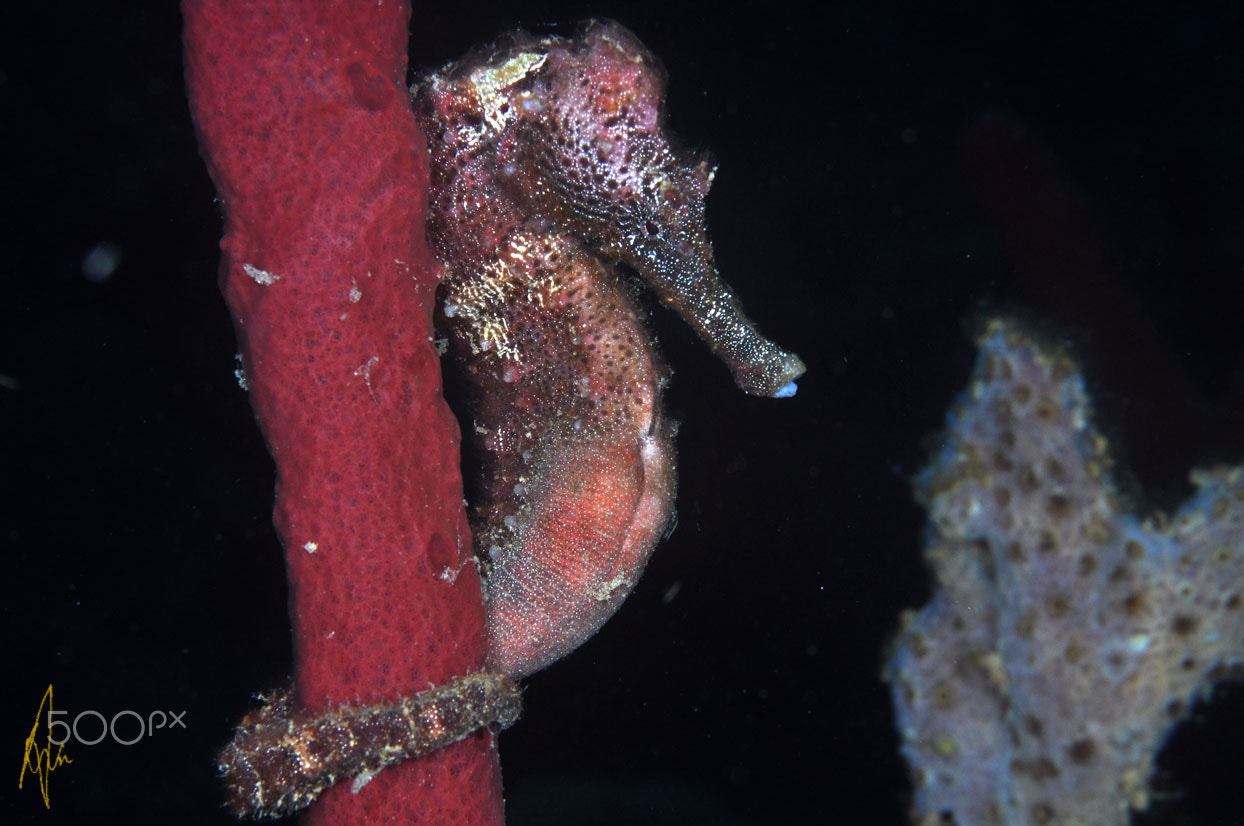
[306, 130]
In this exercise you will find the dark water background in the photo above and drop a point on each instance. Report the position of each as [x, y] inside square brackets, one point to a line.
[890, 174]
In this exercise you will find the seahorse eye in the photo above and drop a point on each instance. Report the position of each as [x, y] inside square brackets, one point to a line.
[652, 228]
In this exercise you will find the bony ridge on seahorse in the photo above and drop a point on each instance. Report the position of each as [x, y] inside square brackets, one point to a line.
[550, 166]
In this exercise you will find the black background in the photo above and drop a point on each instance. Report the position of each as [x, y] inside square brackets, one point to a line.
[740, 683]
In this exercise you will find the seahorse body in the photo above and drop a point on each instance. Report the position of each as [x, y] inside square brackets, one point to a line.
[549, 166]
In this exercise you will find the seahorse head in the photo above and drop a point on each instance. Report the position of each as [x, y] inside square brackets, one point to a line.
[590, 127]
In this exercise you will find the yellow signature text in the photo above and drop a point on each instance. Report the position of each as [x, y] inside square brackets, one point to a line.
[39, 762]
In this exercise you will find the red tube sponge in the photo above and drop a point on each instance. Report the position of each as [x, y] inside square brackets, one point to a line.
[304, 124]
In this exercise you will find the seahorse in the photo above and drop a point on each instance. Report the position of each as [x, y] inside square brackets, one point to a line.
[551, 168]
